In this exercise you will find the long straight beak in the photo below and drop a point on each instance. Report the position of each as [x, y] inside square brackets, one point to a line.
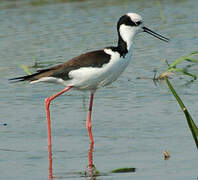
[155, 34]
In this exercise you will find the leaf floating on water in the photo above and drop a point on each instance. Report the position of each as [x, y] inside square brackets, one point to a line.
[123, 170]
[166, 155]
[94, 170]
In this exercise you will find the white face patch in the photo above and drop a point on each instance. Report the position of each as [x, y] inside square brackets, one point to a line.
[127, 33]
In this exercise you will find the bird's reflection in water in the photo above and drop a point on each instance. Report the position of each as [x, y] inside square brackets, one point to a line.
[50, 162]
[90, 170]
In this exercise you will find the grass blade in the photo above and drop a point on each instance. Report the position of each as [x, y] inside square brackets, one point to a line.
[191, 124]
[182, 59]
[123, 170]
[158, 3]
[193, 53]
[192, 60]
[183, 72]
[26, 69]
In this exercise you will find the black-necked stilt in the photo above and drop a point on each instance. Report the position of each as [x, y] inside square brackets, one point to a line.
[94, 69]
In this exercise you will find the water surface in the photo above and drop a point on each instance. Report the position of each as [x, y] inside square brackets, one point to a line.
[134, 121]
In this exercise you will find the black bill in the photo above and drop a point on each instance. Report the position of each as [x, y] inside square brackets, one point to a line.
[155, 34]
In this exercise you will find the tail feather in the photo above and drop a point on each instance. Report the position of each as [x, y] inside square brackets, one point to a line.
[31, 77]
[24, 78]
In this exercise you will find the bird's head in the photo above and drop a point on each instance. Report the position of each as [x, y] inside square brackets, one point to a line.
[130, 24]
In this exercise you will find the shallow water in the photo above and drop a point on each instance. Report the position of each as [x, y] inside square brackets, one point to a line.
[134, 121]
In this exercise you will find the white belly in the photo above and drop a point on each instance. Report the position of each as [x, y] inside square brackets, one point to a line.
[95, 77]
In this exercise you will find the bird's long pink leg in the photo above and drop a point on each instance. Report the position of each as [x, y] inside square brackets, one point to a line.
[88, 122]
[47, 104]
[90, 159]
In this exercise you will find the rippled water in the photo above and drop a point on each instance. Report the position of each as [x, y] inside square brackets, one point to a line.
[134, 121]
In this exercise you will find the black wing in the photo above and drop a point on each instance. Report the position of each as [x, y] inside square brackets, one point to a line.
[90, 59]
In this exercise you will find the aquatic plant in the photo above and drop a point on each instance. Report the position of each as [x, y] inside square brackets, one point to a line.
[172, 67]
[191, 124]
[162, 16]
[170, 71]
[36, 65]
[123, 170]
[26, 69]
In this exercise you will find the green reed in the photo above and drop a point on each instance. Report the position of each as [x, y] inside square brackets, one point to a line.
[191, 124]
[172, 67]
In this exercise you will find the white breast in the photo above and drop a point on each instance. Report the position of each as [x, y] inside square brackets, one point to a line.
[95, 77]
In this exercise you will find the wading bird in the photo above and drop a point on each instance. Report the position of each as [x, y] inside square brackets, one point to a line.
[94, 69]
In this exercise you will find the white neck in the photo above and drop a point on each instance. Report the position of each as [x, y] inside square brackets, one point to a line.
[127, 33]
